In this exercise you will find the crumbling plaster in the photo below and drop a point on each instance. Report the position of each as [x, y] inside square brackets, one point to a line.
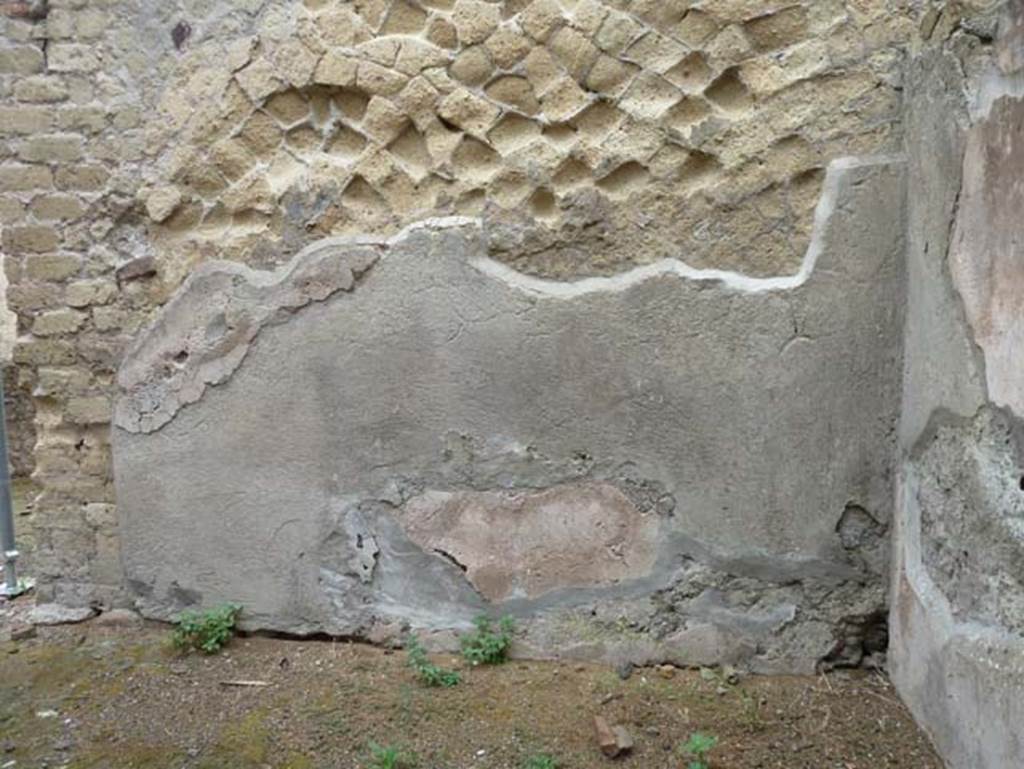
[957, 652]
[139, 136]
[147, 138]
[350, 428]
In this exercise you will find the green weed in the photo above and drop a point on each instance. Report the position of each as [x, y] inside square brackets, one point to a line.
[206, 631]
[429, 673]
[752, 711]
[390, 757]
[540, 761]
[487, 645]
[698, 747]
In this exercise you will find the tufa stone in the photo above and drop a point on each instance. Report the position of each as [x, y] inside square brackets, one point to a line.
[162, 202]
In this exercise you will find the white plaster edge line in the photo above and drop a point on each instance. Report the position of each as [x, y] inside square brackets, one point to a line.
[737, 281]
[275, 276]
[434, 223]
[936, 605]
[993, 86]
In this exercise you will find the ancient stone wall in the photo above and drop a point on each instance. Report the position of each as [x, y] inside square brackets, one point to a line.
[957, 622]
[634, 176]
[145, 138]
[72, 139]
[405, 432]
[590, 135]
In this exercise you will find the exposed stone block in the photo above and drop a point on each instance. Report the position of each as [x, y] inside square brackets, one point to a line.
[110, 318]
[542, 70]
[588, 16]
[232, 158]
[35, 238]
[777, 30]
[87, 119]
[21, 60]
[295, 63]
[25, 119]
[573, 51]
[383, 120]
[507, 46]
[649, 96]
[259, 79]
[54, 148]
[514, 92]
[417, 100]
[61, 382]
[84, 178]
[55, 267]
[72, 57]
[541, 18]
[20, 178]
[339, 26]
[469, 112]
[88, 292]
[57, 322]
[12, 211]
[475, 20]
[609, 76]
[655, 52]
[472, 67]
[563, 99]
[404, 18]
[33, 296]
[416, 56]
[441, 33]
[261, 135]
[288, 107]
[40, 88]
[378, 80]
[88, 410]
[44, 352]
[729, 45]
[617, 32]
[162, 202]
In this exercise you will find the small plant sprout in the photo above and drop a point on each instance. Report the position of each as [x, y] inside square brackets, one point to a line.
[429, 673]
[390, 757]
[752, 711]
[485, 645]
[698, 747]
[206, 631]
[540, 761]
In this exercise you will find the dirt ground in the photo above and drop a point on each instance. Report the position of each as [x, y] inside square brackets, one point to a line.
[91, 695]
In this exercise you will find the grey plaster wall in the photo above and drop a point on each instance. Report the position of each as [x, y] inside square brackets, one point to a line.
[700, 462]
[957, 653]
[17, 397]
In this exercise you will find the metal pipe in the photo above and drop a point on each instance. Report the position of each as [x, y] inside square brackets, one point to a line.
[7, 543]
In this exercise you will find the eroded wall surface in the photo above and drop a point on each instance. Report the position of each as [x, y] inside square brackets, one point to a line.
[958, 592]
[659, 465]
[589, 135]
[676, 150]
[146, 138]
